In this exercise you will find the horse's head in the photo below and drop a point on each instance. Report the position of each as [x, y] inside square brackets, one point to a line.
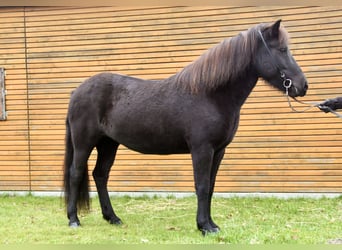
[275, 63]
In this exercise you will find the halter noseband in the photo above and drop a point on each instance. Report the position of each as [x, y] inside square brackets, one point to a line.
[287, 82]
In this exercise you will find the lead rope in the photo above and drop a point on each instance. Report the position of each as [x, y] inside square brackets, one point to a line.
[287, 83]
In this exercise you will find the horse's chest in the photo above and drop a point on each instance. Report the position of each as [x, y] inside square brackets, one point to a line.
[223, 132]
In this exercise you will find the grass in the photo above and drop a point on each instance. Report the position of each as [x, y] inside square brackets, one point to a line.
[171, 220]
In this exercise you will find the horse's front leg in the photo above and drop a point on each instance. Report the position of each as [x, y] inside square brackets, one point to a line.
[215, 166]
[202, 159]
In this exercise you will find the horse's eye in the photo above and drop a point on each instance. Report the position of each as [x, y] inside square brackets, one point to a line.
[283, 50]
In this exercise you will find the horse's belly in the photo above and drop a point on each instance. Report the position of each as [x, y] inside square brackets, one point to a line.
[156, 146]
[158, 150]
[151, 141]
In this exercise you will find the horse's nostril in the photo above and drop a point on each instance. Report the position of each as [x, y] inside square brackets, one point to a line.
[305, 88]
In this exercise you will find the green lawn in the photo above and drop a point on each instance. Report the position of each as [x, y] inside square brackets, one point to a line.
[31, 219]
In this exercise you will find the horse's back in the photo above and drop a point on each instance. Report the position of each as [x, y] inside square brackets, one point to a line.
[103, 84]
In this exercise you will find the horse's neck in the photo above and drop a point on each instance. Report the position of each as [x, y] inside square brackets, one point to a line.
[234, 94]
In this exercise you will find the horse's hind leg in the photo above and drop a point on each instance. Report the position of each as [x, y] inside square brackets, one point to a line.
[78, 194]
[106, 149]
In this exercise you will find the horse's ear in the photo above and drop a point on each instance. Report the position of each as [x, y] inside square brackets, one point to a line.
[275, 28]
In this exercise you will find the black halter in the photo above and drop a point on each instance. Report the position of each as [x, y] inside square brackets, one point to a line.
[287, 82]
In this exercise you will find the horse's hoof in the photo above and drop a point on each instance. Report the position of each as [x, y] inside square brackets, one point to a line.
[115, 221]
[74, 224]
[208, 231]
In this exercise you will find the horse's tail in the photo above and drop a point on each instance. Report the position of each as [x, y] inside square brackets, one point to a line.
[83, 194]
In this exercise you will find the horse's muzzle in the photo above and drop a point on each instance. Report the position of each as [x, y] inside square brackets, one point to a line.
[295, 90]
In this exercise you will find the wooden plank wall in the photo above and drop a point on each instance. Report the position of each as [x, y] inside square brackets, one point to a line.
[14, 148]
[275, 150]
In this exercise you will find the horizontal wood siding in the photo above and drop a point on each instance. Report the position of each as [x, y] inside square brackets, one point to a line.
[274, 150]
[14, 144]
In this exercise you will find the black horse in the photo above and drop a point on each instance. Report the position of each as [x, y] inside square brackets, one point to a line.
[195, 111]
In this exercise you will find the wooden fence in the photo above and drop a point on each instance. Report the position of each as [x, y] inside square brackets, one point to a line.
[47, 52]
